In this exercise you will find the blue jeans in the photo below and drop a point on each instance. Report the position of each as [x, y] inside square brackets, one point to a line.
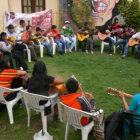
[47, 46]
[138, 50]
[68, 39]
[124, 41]
[110, 41]
[61, 44]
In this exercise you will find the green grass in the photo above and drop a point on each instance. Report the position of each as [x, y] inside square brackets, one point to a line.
[96, 73]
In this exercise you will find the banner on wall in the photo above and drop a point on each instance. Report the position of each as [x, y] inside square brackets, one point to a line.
[41, 19]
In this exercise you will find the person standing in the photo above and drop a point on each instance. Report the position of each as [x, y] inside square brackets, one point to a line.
[68, 33]
[21, 28]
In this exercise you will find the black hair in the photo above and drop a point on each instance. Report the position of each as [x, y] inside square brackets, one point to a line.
[39, 79]
[12, 13]
[10, 27]
[2, 35]
[72, 85]
[54, 27]
[38, 29]
[4, 62]
[28, 27]
[86, 23]
[115, 20]
[21, 22]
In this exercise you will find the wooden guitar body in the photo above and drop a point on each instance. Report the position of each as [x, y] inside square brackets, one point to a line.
[103, 36]
[133, 42]
[82, 37]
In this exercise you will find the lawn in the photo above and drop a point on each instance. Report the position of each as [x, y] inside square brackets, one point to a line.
[96, 73]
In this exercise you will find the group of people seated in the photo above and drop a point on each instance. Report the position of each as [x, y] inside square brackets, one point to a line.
[118, 35]
[12, 45]
[73, 96]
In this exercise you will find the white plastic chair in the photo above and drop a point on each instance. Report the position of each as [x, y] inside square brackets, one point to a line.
[106, 43]
[28, 52]
[73, 118]
[32, 102]
[10, 104]
[70, 42]
[53, 45]
[41, 48]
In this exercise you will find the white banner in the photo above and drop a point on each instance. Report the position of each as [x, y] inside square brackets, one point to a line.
[40, 19]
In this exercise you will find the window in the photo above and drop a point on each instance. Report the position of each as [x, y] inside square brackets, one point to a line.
[31, 6]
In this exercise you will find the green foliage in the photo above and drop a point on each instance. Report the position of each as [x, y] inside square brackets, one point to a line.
[81, 12]
[131, 13]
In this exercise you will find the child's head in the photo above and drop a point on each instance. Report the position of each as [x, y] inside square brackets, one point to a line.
[11, 28]
[54, 27]
[72, 85]
[3, 36]
[38, 30]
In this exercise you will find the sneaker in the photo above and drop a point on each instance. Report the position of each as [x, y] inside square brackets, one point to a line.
[139, 61]
[86, 51]
[110, 54]
[123, 56]
[91, 52]
[28, 71]
[61, 53]
[70, 51]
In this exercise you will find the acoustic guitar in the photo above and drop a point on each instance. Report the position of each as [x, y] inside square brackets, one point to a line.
[102, 36]
[83, 36]
[113, 91]
[133, 42]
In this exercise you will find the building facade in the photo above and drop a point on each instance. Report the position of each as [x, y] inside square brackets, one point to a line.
[30, 6]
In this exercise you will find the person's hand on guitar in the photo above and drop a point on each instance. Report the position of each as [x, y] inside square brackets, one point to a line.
[121, 94]
[89, 95]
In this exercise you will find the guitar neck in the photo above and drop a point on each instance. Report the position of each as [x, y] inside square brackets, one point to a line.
[128, 95]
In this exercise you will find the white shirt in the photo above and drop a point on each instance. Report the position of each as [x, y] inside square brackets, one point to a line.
[20, 30]
[12, 35]
[5, 48]
[137, 35]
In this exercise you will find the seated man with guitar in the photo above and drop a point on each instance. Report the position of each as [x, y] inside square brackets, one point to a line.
[85, 34]
[105, 35]
[116, 25]
[57, 39]
[135, 41]
[27, 38]
[8, 47]
[38, 36]
[125, 36]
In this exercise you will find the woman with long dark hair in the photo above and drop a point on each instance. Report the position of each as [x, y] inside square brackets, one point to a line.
[40, 82]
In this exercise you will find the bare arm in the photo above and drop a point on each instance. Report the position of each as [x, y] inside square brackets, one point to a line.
[58, 81]
[21, 72]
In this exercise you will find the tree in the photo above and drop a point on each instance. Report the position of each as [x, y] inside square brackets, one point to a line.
[81, 12]
[131, 13]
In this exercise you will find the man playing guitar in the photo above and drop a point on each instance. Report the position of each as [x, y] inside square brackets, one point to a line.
[57, 39]
[89, 40]
[125, 36]
[27, 38]
[105, 35]
[137, 37]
